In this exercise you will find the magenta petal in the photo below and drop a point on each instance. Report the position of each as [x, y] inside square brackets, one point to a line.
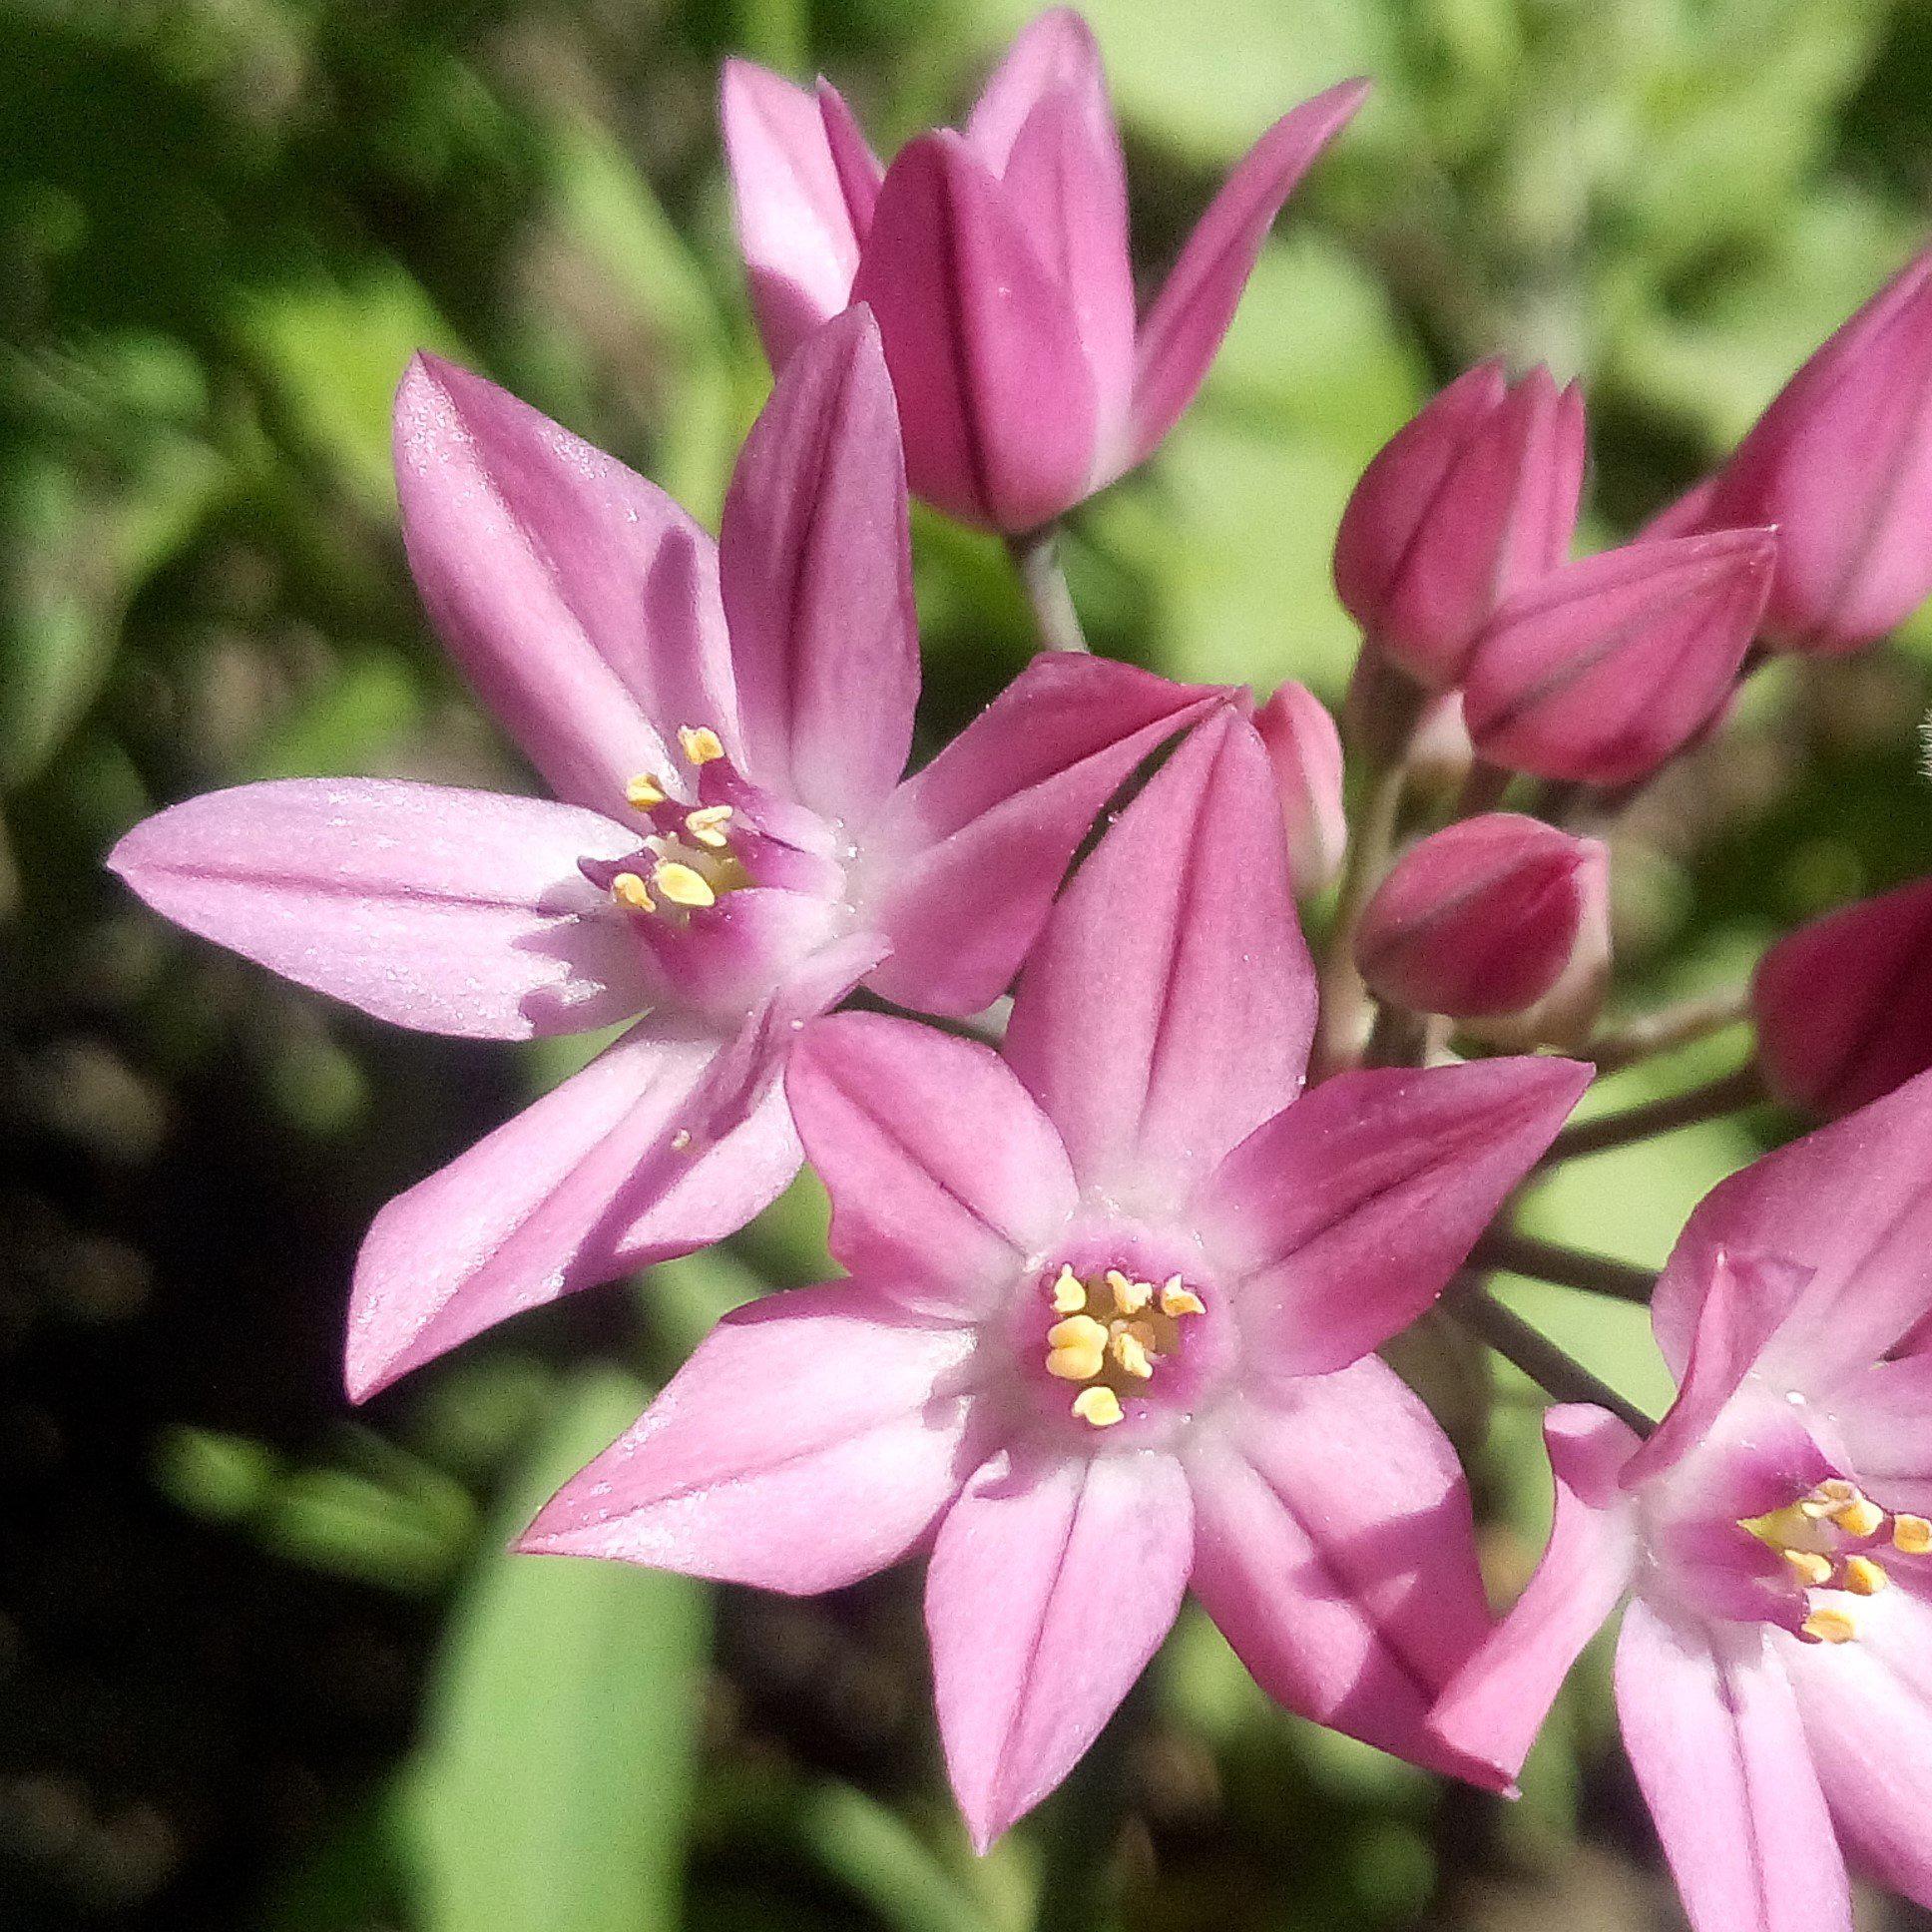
[970, 852]
[1343, 1216]
[816, 565]
[452, 911]
[579, 600]
[1334, 1548]
[1714, 1738]
[859, 172]
[1497, 1703]
[813, 1439]
[1190, 315]
[995, 396]
[1056, 53]
[794, 217]
[1304, 747]
[943, 1173]
[1053, 1582]
[1167, 1010]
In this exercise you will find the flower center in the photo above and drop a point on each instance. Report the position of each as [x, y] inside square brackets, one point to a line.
[687, 861]
[1113, 1335]
[1832, 1540]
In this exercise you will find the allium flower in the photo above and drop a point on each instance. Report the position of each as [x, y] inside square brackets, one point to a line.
[996, 259]
[1772, 1539]
[1304, 747]
[1110, 1324]
[725, 727]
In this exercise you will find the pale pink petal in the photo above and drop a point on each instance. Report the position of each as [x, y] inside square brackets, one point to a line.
[1056, 52]
[1883, 1418]
[1053, 1582]
[1190, 317]
[1496, 1704]
[795, 217]
[452, 911]
[816, 565]
[1334, 1548]
[943, 1173]
[969, 853]
[813, 1438]
[579, 600]
[1343, 1216]
[995, 397]
[1167, 1010]
[1714, 1736]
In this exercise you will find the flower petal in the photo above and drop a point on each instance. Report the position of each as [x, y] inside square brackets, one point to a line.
[1496, 1704]
[995, 396]
[1334, 1549]
[452, 911]
[967, 858]
[1344, 1215]
[1167, 1010]
[1190, 315]
[1056, 52]
[1715, 1739]
[579, 600]
[816, 563]
[1883, 1417]
[1053, 1582]
[943, 1173]
[813, 1439]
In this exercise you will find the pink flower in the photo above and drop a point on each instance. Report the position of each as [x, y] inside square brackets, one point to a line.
[1843, 1005]
[1110, 1324]
[1304, 747]
[1474, 500]
[1772, 1537]
[996, 259]
[725, 726]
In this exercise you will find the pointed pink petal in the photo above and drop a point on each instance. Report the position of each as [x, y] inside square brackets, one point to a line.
[857, 166]
[1304, 747]
[452, 911]
[1852, 1202]
[579, 600]
[1167, 1010]
[995, 396]
[1056, 53]
[1497, 1703]
[795, 217]
[970, 852]
[1190, 317]
[1343, 1216]
[811, 1440]
[1052, 1584]
[1334, 1549]
[1715, 1739]
[943, 1173]
[816, 561]
[1883, 1417]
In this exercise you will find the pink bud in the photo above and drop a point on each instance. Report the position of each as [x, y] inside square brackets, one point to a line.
[1487, 917]
[1469, 503]
[1844, 1005]
[1611, 666]
[1305, 749]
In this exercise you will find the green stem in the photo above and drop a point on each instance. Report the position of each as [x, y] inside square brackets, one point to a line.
[1568, 1267]
[1729, 1094]
[1036, 557]
[1552, 1369]
[1667, 1029]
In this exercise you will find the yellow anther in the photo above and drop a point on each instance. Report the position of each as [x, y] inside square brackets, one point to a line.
[707, 825]
[1809, 1569]
[1068, 1294]
[1100, 1407]
[1864, 1578]
[1076, 1349]
[1130, 1350]
[682, 886]
[1176, 1300]
[645, 791]
[700, 743]
[1838, 1489]
[1859, 1517]
[1130, 1298]
[628, 889]
[1830, 1627]
[1912, 1534]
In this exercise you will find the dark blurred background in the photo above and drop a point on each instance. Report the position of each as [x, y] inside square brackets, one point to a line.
[262, 1664]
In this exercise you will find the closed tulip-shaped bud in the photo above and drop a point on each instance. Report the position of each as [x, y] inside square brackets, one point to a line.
[1469, 503]
[1487, 917]
[1304, 747]
[1611, 666]
[1844, 1005]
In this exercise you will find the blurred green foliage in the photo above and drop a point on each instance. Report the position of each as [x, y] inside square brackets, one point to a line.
[227, 224]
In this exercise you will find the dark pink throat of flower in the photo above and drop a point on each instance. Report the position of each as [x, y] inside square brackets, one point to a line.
[687, 861]
[1112, 1336]
[1835, 1543]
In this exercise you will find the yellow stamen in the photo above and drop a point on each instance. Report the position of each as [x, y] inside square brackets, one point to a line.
[1100, 1407]
[1176, 1300]
[1069, 1296]
[1130, 1352]
[707, 825]
[1864, 1578]
[628, 889]
[1130, 1298]
[1912, 1534]
[700, 743]
[1859, 1517]
[645, 791]
[682, 886]
[1076, 1349]
[1809, 1569]
[1830, 1627]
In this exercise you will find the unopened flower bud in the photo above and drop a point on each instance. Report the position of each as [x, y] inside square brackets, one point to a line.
[1304, 747]
[1463, 506]
[1487, 917]
[1844, 1005]
[1611, 666]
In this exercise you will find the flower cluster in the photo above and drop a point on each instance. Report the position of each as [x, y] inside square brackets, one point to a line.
[1120, 1252]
